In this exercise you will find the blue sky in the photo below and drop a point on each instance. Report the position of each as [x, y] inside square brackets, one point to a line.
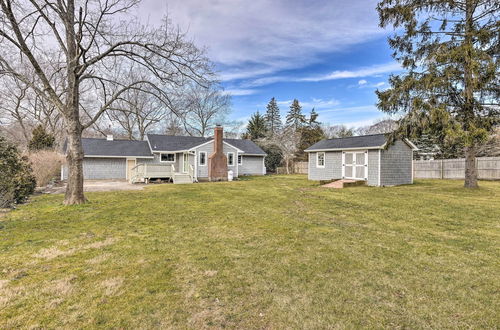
[329, 54]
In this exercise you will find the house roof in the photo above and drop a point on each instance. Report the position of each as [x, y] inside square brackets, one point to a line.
[180, 143]
[174, 143]
[115, 148]
[353, 142]
[247, 146]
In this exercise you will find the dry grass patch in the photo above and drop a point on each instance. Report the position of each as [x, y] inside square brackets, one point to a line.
[46, 165]
[112, 285]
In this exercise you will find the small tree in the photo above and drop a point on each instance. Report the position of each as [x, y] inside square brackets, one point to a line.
[274, 156]
[273, 117]
[295, 118]
[17, 182]
[41, 140]
[256, 128]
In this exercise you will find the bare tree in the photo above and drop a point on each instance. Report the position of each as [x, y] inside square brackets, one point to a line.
[137, 112]
[379, 127]
[204, 107]
[91, 47]
[287, 139]
[338, 131]
[173, 125]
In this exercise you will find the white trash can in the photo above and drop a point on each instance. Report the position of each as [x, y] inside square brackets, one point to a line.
[229, 175]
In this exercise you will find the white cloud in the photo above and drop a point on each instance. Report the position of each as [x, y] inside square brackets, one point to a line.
[260, 37]
[358, 73]
[369, 71]
[240, 92]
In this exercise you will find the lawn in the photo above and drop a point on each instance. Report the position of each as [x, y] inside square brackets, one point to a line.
[268, 252]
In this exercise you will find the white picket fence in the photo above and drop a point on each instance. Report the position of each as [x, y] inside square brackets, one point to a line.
[488, 168]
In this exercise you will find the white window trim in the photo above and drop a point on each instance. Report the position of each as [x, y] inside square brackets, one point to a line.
[317, 159]
[206, 159]
[227, 155]
[238, 160]
[168, 153]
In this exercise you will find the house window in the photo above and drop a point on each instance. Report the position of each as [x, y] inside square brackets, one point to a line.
[203, 158]
[320, 159]
[167, 158]
[240, 159]
[230, 158]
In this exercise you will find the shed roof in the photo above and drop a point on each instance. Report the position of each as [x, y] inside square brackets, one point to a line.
[374, 141]
[115, 148]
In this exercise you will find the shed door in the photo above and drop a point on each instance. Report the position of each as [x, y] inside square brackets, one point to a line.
[355, 165]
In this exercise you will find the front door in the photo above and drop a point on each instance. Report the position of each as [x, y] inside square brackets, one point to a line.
[355, 165]
[185, 163]
[130, 166]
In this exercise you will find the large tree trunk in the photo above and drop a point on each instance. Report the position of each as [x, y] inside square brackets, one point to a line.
[74, 157]
[470, 168]
[470, 151]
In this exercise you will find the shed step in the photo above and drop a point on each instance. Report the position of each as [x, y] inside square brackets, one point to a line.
[339, 184]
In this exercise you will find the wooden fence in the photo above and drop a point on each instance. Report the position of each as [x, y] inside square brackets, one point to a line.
[296, 168]
[488, 168]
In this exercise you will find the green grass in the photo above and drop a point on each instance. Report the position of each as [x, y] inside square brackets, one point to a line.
[269, 252]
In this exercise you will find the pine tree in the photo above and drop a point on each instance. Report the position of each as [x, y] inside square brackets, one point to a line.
[295, 118]
[273, 117]
[313, 119]
[256, 128]
[450, 51]
[41, 139]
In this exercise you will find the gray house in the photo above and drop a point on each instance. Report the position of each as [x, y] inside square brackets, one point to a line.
[362, 158]
[184, 159]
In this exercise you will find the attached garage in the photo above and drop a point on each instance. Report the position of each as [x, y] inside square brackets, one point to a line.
[110, 159]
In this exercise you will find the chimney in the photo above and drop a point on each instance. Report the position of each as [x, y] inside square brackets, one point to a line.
[217, 161]
[109, 137]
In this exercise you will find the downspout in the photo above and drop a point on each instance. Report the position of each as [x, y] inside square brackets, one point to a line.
[237, 165]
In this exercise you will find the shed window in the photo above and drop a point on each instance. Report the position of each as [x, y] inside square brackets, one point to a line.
[203, 158]
[320, 159]
[240, 159]
[230, 158]
[167, 158]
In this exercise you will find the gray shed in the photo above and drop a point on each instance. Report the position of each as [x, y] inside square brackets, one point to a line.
[364, 158]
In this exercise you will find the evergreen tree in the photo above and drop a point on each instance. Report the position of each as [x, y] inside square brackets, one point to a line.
[309, 135]
[450, 51]
[17, 182]
[295, 118]
[256, 128]
[273, 117]
[313, 119]
[41, 140]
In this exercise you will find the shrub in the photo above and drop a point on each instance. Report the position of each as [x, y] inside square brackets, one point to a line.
[17, 182]
[46, 165]
[41, 140]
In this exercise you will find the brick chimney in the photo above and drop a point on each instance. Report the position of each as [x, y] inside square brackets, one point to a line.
[217, 161]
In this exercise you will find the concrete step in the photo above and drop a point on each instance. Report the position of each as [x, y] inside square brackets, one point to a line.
[339, 184]
[181, 178]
